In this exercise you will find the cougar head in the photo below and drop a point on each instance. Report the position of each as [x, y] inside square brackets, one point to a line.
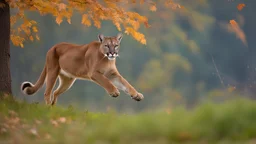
[110, 45]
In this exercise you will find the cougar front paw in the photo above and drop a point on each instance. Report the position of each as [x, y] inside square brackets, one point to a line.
[138, 97]
[114, 93]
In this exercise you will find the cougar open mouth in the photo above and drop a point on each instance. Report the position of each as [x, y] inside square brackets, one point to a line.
[111, 56]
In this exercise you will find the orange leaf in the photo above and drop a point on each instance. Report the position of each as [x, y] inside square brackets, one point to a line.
[31, 38]
[62, 6]
[238, 31]
[58, 19]
[240, 6]
[146, 24]
[69, 20]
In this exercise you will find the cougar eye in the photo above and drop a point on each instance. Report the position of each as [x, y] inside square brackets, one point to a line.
[106, 45]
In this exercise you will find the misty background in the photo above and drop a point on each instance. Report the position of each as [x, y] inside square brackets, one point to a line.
[190, 56]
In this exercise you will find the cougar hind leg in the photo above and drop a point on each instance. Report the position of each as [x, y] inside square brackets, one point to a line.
[65, 83]
[53, 70]
[50, 83]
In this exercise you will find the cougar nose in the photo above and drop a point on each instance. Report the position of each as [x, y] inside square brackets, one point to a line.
[112, 53]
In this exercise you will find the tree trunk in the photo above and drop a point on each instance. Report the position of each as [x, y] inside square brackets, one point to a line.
[5, 75]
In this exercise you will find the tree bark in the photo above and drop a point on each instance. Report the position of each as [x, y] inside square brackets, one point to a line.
[5, 75]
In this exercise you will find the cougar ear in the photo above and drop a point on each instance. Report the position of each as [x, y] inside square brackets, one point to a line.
[101, 37]
[119, 37]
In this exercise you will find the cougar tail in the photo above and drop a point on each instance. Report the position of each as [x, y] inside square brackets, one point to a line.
[29, 89]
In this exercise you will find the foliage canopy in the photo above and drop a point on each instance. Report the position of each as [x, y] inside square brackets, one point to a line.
[92, 13]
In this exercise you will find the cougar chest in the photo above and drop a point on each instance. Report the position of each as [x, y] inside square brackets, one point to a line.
[106, 67]
[104, 70]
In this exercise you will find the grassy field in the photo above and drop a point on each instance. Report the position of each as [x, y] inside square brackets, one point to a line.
[232, 122]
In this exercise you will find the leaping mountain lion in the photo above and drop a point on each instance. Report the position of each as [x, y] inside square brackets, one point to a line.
[95, 61]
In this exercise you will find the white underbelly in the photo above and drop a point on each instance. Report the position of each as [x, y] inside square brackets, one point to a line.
[67, 74]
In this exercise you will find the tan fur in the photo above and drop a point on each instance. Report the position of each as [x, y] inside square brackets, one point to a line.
[87, 62]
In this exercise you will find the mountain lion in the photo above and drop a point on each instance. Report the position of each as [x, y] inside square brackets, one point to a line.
[94, 61]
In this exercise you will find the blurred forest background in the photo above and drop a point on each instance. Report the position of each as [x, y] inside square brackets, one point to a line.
[190, 56]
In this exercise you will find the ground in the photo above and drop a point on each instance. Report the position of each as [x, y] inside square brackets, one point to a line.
[231, 122]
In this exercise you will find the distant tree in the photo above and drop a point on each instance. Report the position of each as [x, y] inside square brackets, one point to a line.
[5, 76]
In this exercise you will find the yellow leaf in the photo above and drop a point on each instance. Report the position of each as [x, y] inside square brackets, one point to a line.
[118, 26]
[22, 45]
[85, 20]
[136, 35]
[33, 22]
[37, 37]
[34, 29]
[143, 41]
[97, 23]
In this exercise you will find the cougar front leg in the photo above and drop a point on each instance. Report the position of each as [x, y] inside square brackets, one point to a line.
[124, 85]
[101, 80]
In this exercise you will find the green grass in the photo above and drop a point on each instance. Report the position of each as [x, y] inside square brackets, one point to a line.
[232, 122]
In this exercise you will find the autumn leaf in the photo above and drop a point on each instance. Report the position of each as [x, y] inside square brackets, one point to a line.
[58, 19]
[146, 24]
[38, 122]
[91, 10]
[85, 20]
[240, 6]
[69, 20]
[55, 123]
[138, 36]
[37, 37]
[31, 38]
[21, 45]
[118, 26]
[143, 41]
[62, 119]
[97, 23]
[62, 6]
[3, 130]
[33, 131]
[34, 29]
[235, 28]
[153, 8]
